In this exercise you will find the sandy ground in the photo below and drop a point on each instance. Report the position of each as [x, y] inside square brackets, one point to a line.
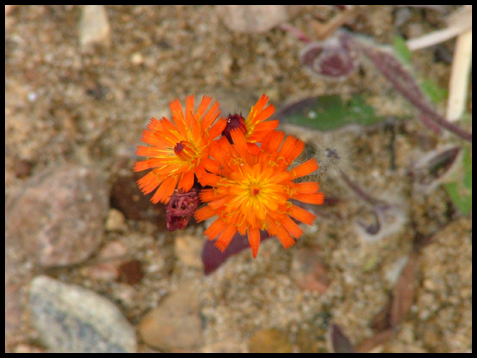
[65, 104]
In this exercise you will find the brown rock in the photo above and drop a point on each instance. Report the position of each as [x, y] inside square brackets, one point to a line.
[58, 216]
[256, 18]
[269, 341]
[308, 272]
[175, 323]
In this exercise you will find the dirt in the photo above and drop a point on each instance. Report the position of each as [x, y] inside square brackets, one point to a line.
[64, 104]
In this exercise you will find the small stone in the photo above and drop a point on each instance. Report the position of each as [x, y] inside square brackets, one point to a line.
[115, 221]
[94, 26]
[26, 348]
[58, 216]
[71, 319]
[256, 18]
[269, 341]
[102, 272]
[188, 249]
[137, 59]
[308, 272]
[175, 323]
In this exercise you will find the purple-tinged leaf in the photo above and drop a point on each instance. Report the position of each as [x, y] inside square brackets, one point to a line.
[403, 291]
[212, 257]
[339, 342]
[405, 83]
[333, 58]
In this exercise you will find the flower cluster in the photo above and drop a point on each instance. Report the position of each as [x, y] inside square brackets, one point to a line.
[243, 167]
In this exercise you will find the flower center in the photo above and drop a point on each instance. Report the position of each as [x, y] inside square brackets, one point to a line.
[184, 150]
[234, 121]
[254, 190]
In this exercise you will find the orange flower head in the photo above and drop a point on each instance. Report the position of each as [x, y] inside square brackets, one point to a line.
[253, 127]
[178, 148]
[252, 192]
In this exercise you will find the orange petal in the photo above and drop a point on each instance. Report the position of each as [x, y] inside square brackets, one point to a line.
[207, 195]
[305, 168]
[209, 179]
[316, 198]
[263, 115]
[301, 214]
[204, 103]
[210, 116]
[215, 229]
[225, 237]
[272, 142]
[254, 240]
[187, 181]
[240, 143]
[164, 191]
[284, 237]
[149, 182]
[204, 213]
[210, 165]
[147, 164]
[291, 226]
[189, 115]
[307, 188]
[292, 147]
[217, 128]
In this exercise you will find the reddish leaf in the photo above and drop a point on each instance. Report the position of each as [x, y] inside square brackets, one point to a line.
[212, 257]
[382, 321]
[403, 292]
[339, 342]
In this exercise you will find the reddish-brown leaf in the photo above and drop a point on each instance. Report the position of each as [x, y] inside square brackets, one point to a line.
[403, 291]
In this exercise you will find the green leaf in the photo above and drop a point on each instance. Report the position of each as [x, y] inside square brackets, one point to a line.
[330, 112]
[460, 192]
[401, 50]
[435, 93]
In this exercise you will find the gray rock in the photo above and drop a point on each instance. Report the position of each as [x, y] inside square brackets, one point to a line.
[58, 217]
[72, 319]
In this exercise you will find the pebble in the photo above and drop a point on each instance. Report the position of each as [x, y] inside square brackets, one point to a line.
[175, 323]
[94, 26]
[72, 319]
[115, 221]
[269, 341]
[58, 216]
[256, 18]
[308, 272]
[137, 59]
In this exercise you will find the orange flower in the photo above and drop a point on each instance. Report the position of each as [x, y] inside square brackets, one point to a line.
[254, 128]
[179, 148]
[252, 192]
